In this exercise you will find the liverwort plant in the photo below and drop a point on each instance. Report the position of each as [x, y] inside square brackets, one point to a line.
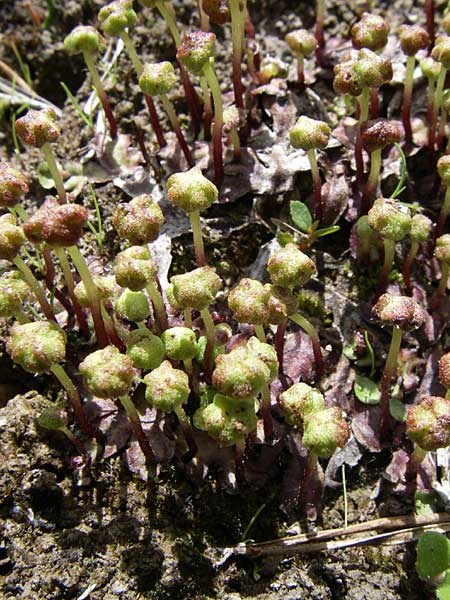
[197, 290]
[376, 135]
[166, 11]
[290, 268]
[14, 291]
[393, 222]
[430, 69]
[421, 228]
[158, 79]
[196, 53]
[371, 72]
[167, 389]
[12, 238]
[246, 371]
[38, 128]
[441, 54]
[116, 18]
[192, 192]
[412, 39]
[371, 32]
[404, 314]
[13, 187]
[39, 348]
[135, 269]
[110, 374]
[442, 253]
[51, 419]
[61, 227]
[443, 168]
[309, 135]
[302, 43]
[86, 40]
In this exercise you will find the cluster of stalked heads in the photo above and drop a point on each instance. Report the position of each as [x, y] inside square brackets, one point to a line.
[324, 429]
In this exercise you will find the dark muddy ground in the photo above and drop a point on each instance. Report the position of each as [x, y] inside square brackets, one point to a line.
[108, 535]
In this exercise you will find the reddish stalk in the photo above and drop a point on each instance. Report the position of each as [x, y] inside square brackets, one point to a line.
[213, 83]
[374, 103]
[49, 277]
[154, 120]
[192, 101]
[389, 253]
[236, 36]
[408, 264]
[317, 184]
[320, 19]
[407, 96]
[302, 322]
[429, 17]
[168, 106]
[136, 426]
[76, 404]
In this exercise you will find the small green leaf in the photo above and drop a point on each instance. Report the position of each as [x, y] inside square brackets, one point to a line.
[433, 554]
[44, 176]
[327, 230]
[366, 390]
[396, 406]
[301, 216]
[443, 591]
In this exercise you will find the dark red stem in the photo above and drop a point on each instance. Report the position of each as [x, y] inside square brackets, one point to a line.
[154, 120]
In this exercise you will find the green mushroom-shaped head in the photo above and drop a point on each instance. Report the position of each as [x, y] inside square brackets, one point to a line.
[370, 32]
[345, 79]
[108, 373]
[240, 374]
[308, 134]
[413, 38]
[430, 68]
[249, 301]
[83, 38]
[196, 50]
[272, 68]
[324, 431]
[139, 221]
[132, 306]
[376, 134]
[38, 127]
[443, 167]
[441, 51]
[180, 343]
[195, 289]
[282, 304]
[37, 346]
[167, 388]
[145, 349]
[158, 78]
[59, 225]
[106, 286]
[391, 219]
[13, 293]
[428, 423]
[134, 268]
[372, 70]
[442, 248]
[401, 311]
[227, 421]
[301, 41]
[266, 354]
[444, 370]
[117, 16]
[289, 267]
[298, 401]
[13, 185]
[11, 237]
[191, 190]
[421, 227]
